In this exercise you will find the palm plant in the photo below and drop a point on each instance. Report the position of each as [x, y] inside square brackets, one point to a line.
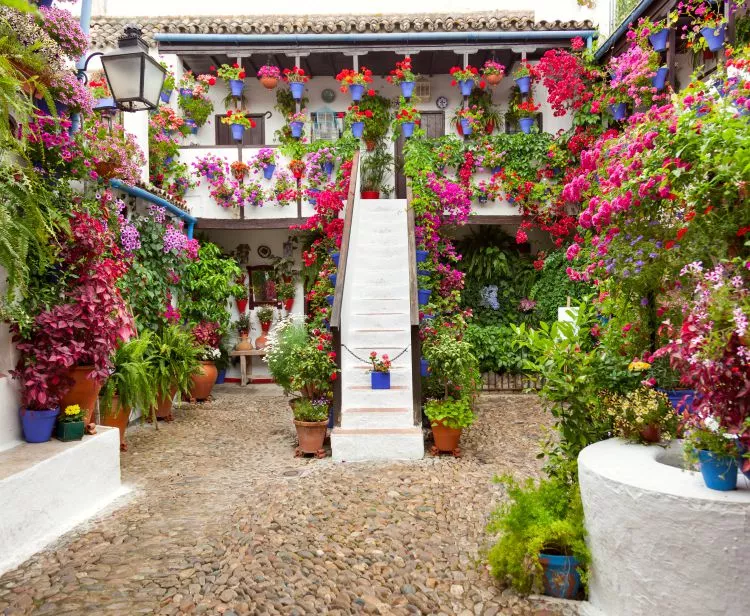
[131, 379]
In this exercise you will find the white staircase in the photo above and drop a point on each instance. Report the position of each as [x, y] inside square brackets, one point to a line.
[376, 424]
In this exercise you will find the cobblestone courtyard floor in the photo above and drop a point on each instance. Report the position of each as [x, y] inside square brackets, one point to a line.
[223, 519]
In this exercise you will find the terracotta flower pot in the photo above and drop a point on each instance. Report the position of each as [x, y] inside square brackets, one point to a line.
[261, 341]
[369, 145]
[105, 169]
[203, 383]
[269, 82]
[493, 80]
[244, 344]
[651, 433]
[164, 405]
[446, 439]
[118, 417]
[84, 392]
[311, 435]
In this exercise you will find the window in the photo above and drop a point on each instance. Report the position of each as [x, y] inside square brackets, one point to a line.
[326, 126]
[253, 136]
[262, 285]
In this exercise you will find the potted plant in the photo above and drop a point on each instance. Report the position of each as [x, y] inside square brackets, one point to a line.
[238, 122]
[356, 120]
[311, 423]
[194, 101]
[235, 76]
[379, 123]
[265, 162]
[657, 32]
[168, 86]
[284, 349]
[286, 292]
[471, 119]
[269, 76]
[707, 29]
[380, 375]
[207, 339]
[403, 76]
[466, 78]
[448, 418]
[354, 81]
[128, 386]
[239, 169]
[493, 72]
[242, 325]
[643, 415]
[296, 78]
[70, 424]
[265, 318]
[542, 543]
[524, 76]
[239, 291]
[526, 113]
[376, 168]
[284, 190]
[717, 451]
[660, 375]
[297, 122]
[406, 118]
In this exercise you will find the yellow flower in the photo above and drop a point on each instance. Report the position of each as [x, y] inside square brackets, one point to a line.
[73, 409]
[638, 366]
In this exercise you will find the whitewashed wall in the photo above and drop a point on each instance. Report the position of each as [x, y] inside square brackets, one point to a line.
[10, 424]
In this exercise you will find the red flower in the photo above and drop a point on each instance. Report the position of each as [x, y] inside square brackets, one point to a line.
[368, 113]
[482, 84]
[626, 328]
[340, 114]
[242, 75]
[212, 68]
[334, 376]
[669, 244]
[235, 65]
[212, 81]
[681, 233]
[370, 92]
[320, 347]
[453, 82]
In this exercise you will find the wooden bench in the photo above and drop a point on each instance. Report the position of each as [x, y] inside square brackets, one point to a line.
[246, 368]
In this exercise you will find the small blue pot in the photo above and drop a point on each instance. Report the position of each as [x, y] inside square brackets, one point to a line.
[407, 88]
[186, 92]
[561, 577]
[482, 199]
[660, 79]
[297, 88]
[296, 129]
[358, 128]
[658, 39]
[496, 170]
[221, 375]
[718, 473]
[526, 124]
[329, 299]
[38, 425]
[328, 168]
[714, 41]
[105, 103]
[510, 199]
[423, 272]
[168, 160]
[619, 111]
[356, 90]
[466, 86]
[332, 278]
[380, 380]
[268, 171]
[330, 417]
[466, 126]
[524, 84]
[312, 196]
[236, 86]
[335, 256]
[424, 296]
[428, 317]
[422, 256]
[44, 3]
[407, 129]
[424, 367]
[165, 96]
[238, 132]
[190, 123]
[681, 399]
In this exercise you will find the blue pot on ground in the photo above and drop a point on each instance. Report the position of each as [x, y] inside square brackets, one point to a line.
[297, 88]
[719, 473]
[619, 111]
[165, 96]
[268, 171]
[424, 367]
[237, 132]
[236, 86]
[424, 296]
[380, 380]
[681, 399]
[526, 124]
[186, 92]
[422, 255]
[332, 278]
[221, 375]
[356, 90]
[660, 79]
[561, 576]
[714, 38]
[658, 39]
[466, 86]
[296, 129]
[38, 425]
[329, 299]
[407, 88]
[335, 256]
[328, 168]
[524, 84]
[358, 128]
[466, 126]
[743, 451]
[407, 129]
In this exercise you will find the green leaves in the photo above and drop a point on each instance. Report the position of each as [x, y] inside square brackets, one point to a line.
[452, 413]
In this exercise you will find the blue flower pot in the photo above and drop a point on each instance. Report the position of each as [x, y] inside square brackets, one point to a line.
[510, 199]
[466, 86]
[356, 90]
[407, 129]
[296, 129]
[680, 399]
[718, 473]
[268, 171]
[714, 38]
[38, 425]
[380, 380]
[428, 317]
[105, 103]
[186, 92]
[358, 128]
[743, 451]
[329, 299]
[482, 199]
[407, 88]
[561, 577]
[466, 126]
[44, 3]
[658, 39]
[332, 278]
[335, 256]
[297, 88]
[496, 169]
[328, 168]
[221, 375]
[524, 84]
[424, 296]
[236, 86]
[423, 272]
[168, 160]
[238, 132]
[190, 123]
[526, 124]
[165, 96]
[312, 196]
[422, 255]
[330, 417]
[619, 111]
[424, 367]
[660, 79]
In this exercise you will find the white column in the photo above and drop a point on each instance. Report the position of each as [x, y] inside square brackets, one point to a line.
[136, 123]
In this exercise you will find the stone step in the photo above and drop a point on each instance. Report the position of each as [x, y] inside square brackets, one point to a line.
[378, 337]
[388, 320]
[395, 290]
[359, 444]
[382, 418]
[366, 396]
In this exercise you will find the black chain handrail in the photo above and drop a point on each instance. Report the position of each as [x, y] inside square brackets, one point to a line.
[367, 361]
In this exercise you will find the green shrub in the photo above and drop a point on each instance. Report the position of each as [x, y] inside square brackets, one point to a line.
[452, 364]
[285, 342]
[553, 288]
[452, 413]
[495, 348]
[310, 410]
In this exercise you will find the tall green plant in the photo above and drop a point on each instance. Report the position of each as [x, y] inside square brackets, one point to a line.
[377, 167]
[452, 365]
[131, 378]
[285, 343]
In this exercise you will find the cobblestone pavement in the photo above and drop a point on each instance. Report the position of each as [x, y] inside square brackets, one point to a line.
[223, 519]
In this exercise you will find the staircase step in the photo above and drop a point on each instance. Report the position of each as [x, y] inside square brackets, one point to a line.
[377, 418]
[365, 396]
[359, 444]
[361, 320]
[377, 337]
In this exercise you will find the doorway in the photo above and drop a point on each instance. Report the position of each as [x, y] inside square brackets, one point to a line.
[433, 123]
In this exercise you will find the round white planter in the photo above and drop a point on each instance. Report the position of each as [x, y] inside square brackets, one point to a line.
[661, 542]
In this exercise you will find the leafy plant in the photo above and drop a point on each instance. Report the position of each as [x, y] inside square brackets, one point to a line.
[242, 324]
[453, 413]
[130, 379]
[285, 342]
[495, 348]
[377, 126]
[711, 438]
[377, 166]
[641, 409]
[172, 359]
[71, 414]
[310, 410]
[554, 287]
[452, 364]
[265, 314]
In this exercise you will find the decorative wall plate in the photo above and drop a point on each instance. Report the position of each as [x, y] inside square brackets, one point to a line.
[264, 252]
[328, 95]
[442, 102]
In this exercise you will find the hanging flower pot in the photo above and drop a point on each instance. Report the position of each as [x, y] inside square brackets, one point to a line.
[561, 576]
[186, 92]
[719, 473]
[356, 90]
[268, 171]
[493, 78]
[714, 37]
[524, 84]
[466, 86]
[38, 425]
[238, 131]
[165, 96]
[370, 194]
[191, 124]
[269, 83]
[332, 278]
[380, 380]
[297, 88]
[407, 88]
[466, 126]
[424, 296]
[236, 86]
[312, 196]
[44, 3]
[335, 256]
[241, 305]
[526, 124]
[658, 39]
[619, 111]
[288, 304]
[296, 129]
[422, 255]
[424, 272]
[328, 168]
[660, 79]
[407, 129]
[358, 129]
[329, 299]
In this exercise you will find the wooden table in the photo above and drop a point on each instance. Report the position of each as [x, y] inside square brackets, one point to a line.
[244, 364]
